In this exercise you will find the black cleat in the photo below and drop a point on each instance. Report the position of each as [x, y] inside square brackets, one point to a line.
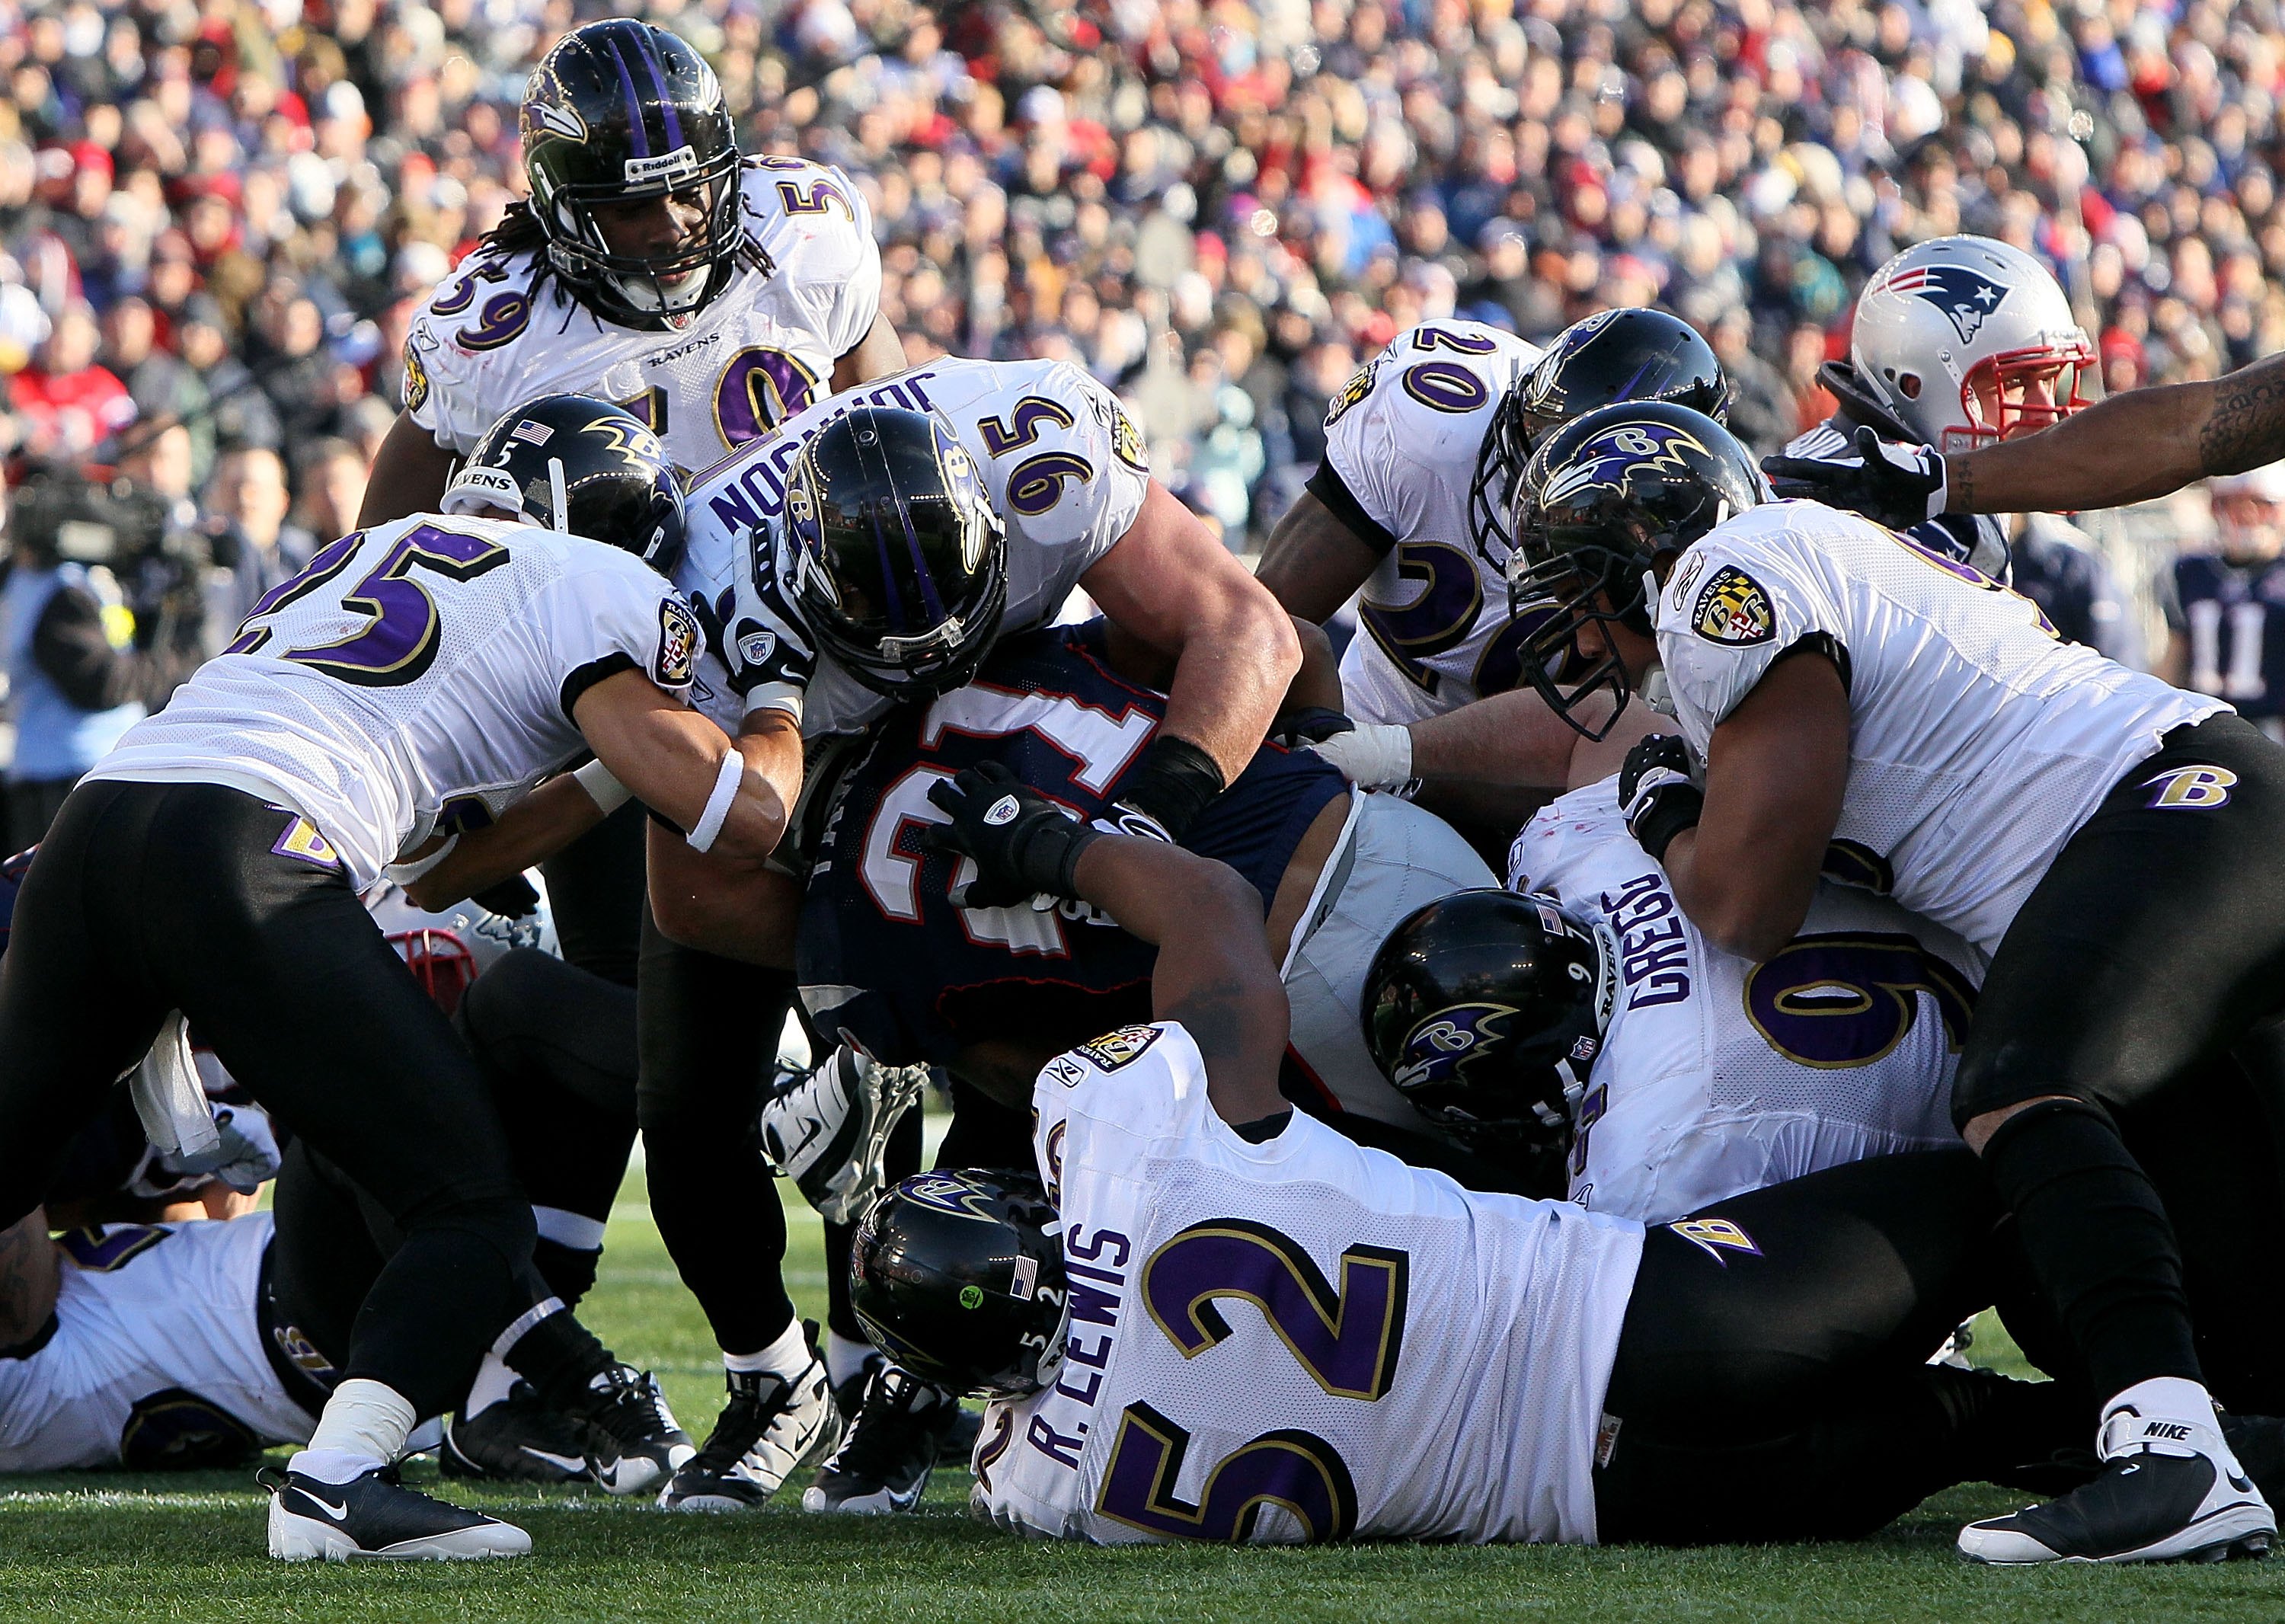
[637, 1441]
[518, 1440]
[849, 1398]
[2171, 1490]
[369, 1518]
[904, 1428]
[769, 1430]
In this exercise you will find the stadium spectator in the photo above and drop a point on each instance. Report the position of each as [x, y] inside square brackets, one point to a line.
[1141, 185]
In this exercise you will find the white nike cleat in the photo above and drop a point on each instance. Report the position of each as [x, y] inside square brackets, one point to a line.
[371, 1518]
[829, 1131]
[2171, 1490]
[769, 1430]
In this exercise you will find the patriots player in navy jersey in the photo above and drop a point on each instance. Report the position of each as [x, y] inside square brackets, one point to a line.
[2226, 636]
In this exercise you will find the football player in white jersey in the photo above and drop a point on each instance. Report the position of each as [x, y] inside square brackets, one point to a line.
[712, 296]
[884, 538]
[413, 682]
[2114, 843]
[1211, 1319]
[1410, 505]
[1716, 1075]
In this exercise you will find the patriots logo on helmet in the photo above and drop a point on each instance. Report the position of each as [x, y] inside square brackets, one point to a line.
[1964, 296]
[1605, 461]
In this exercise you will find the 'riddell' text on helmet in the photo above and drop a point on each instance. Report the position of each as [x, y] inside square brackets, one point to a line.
[619, 112]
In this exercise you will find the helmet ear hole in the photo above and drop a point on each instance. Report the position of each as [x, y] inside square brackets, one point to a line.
[1907, 383]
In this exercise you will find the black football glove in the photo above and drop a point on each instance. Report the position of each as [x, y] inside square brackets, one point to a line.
[1023, 843]
[1656, 794]
[1896, 485]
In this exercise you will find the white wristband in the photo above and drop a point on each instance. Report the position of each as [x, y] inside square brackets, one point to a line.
[403, 874]
[718, 805]
[603, 788]
[1376, 755]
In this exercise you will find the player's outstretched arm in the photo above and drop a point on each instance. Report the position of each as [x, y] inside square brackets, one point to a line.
[1172, 584]
[2144, 443]
[1213, 974]
[532, 831]
[29, 1278]
[409, 475]
[1748, 870]
[1314, 562]
[721, 792]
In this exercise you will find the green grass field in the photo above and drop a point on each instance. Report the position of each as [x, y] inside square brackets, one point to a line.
[190, 1548]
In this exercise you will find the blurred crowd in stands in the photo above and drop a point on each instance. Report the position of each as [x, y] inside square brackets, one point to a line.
[218, 215]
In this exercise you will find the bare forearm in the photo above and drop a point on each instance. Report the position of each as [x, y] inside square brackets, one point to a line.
[734, 910]
[1734, 904]
[1212, 973]
[532, 830]
[1229, 684]
[409, 476]
[29, 1276]
[1314, 562]
[2132, 447]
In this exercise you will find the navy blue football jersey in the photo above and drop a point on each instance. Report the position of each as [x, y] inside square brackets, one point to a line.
[883, 954]
[2233, 620]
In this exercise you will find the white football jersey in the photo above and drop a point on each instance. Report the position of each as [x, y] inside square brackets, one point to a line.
[143, 1311]
[1403, 439]
[1301, 1339]
[417, 677]
[1979, 741]
[1061, 465]
[760, 351]
[1720, 1076]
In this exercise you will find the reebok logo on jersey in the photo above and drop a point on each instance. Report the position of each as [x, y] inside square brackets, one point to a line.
[1733, 610]
[1118, 1048]
[1714, 1236]
[2192, 787]
[679, 642]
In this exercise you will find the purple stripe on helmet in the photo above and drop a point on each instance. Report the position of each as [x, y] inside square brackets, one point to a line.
[665, 101]
[896, 604]
[634, 102]
[933, 601]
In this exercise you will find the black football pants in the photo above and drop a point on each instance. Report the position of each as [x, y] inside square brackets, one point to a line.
[147, 898]
[1770, 1383]
[2152, 951]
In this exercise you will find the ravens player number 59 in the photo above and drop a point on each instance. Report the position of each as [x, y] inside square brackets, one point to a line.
[712, 297]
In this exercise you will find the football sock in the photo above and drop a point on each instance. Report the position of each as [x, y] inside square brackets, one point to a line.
[549, 1348]
[364, 1425]
[493, 1381]
[569, 1249]
[787, 1356]
[2099, 1241]
[844, 1356]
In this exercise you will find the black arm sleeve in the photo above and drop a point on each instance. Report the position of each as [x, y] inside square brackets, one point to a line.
[69, 646]
[1326, 485]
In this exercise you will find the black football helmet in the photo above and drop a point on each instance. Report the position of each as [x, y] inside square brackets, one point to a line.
[897, 560]
[1486, 1009]
[582, 466]
[959, 1278]
[620, 112]
[1611, 356]
[1604, 498]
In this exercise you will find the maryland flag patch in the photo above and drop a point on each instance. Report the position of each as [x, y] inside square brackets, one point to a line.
[416, 379]
[1733, 610]
[1122, 1047]
[1127, 441]
[679, 642]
